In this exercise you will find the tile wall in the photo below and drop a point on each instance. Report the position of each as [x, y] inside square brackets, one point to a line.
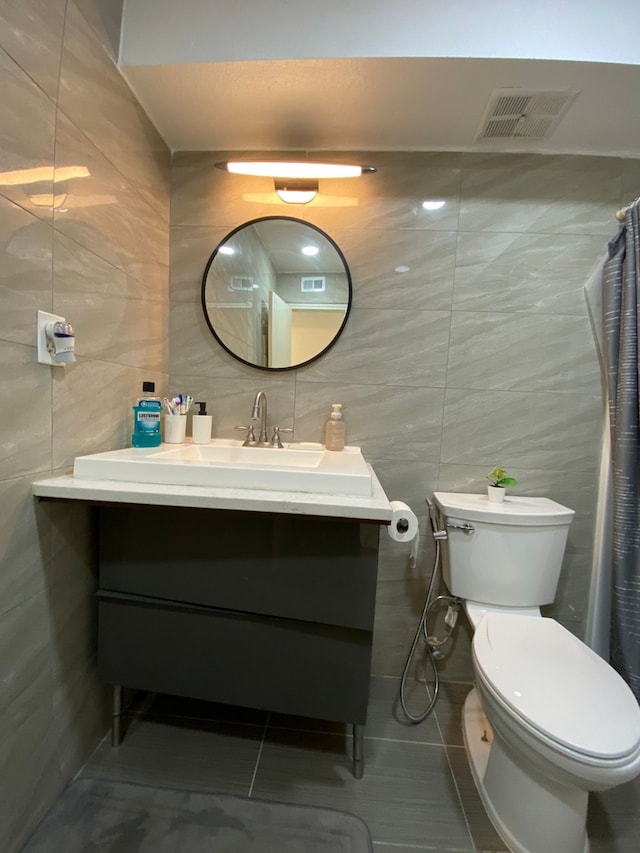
[100, 259]
[480, 354]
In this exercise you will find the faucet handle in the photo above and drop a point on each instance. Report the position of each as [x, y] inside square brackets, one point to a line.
[275, 438]
[250, 440]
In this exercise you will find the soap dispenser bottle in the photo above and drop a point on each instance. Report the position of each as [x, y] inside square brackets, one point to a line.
[335, 430]
[146, 418]
[201, 424]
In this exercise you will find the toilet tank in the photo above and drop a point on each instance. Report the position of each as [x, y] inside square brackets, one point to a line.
[513, 556]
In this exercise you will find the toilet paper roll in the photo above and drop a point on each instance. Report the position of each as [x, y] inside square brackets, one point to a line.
[404, 524]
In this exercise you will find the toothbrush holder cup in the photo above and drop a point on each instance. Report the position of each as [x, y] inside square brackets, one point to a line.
[175, 429]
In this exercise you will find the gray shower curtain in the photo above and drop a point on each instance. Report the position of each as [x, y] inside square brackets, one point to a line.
[620, 332]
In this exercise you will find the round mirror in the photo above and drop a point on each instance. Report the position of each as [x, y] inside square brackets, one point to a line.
[276, 293]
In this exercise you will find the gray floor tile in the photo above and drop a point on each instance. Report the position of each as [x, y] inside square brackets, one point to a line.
[188, 754]
[407, 795]
[613, 820]
[448, 710]
[485, 838]
[378, 847]
[385, 718]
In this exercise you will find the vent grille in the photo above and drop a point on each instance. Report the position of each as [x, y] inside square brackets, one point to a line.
[312, 285]
[520, 114]
[240, 283]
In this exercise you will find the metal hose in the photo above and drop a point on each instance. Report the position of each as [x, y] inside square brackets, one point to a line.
[433, 645]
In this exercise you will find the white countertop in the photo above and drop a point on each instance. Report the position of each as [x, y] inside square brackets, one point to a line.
[67, 487]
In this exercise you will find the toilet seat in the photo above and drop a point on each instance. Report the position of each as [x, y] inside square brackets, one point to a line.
[557, 687]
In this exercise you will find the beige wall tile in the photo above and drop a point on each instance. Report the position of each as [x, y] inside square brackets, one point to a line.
[101, 261]
[543, 195]
[32, 36]
[517, 429]
[94, 95]
[25, 544]
[425, 259]
[28, 786]
[522, 352]
[27, 117]
[115, 317]
[25, 427]
[191, 248]
[26, 283]
[104, 17]
[533, 273]
[103, 212]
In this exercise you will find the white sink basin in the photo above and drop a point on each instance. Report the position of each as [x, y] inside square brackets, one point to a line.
[226, 464]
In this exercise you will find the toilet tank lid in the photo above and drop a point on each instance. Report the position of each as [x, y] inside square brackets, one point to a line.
[557, 684]
[514, 509]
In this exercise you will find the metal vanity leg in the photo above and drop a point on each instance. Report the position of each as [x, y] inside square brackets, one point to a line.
[358, 751]
[116, 716]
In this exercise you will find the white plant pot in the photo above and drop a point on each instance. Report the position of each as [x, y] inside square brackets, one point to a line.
[496, 493]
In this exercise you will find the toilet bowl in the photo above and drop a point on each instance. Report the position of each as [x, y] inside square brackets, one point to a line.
[548, 720]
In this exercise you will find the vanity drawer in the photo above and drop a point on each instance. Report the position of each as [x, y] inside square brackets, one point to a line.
[282, 665]
[317, 570]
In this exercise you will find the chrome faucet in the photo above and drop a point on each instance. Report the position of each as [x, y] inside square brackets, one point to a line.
[259, 413]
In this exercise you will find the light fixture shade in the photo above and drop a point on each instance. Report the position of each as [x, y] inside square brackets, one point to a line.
[296, 191]
[301, 170]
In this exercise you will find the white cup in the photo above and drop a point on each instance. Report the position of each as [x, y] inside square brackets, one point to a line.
[175, 428]
[201, 426]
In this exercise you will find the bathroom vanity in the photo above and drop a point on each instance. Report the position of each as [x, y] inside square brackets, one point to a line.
[251, 597]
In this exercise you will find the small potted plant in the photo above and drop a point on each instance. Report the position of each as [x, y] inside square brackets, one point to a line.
[497, 481]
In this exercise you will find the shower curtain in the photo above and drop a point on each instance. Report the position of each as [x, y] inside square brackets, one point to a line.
[613, 298]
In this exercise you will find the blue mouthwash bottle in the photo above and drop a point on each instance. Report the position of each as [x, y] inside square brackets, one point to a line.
[146, 418]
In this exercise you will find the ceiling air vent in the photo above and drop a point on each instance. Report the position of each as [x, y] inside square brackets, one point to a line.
[523, 114]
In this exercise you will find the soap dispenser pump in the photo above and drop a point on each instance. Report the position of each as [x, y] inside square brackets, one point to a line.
[335, 430]
[201, 425]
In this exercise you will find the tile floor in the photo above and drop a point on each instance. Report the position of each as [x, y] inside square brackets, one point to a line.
[416, 795]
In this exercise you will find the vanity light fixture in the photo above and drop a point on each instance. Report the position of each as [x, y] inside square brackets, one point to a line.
[295, 182]
[296, 191]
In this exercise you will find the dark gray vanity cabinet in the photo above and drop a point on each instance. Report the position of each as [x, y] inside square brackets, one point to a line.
[263, 610]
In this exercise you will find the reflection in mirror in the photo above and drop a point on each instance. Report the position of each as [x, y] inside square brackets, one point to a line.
[276, 293]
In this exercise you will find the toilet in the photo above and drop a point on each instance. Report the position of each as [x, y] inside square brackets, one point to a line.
[548, 720]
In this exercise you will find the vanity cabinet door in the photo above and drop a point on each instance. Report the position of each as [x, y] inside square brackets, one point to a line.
[309, 569]
[282, 665]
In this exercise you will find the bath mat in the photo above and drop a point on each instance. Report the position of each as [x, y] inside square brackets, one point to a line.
[94, 816]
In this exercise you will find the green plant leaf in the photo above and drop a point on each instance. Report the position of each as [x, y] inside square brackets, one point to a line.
[508, 481]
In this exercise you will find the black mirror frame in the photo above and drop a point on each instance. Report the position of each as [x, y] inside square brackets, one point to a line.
[349, 299]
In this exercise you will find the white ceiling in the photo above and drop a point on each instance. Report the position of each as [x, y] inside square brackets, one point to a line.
[206, 86]
[391, 104]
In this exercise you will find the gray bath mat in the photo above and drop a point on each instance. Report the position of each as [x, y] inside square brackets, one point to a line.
[93, 816]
